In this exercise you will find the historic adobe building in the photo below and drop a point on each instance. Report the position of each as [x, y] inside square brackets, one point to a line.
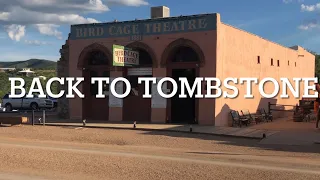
[190, 46]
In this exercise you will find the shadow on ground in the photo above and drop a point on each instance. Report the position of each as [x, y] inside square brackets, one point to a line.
[237, 141]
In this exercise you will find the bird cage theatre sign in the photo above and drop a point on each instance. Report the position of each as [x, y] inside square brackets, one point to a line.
[124, 56]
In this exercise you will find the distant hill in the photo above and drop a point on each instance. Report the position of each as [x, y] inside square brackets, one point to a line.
[31, 63]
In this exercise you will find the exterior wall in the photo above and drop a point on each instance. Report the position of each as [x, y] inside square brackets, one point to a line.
[75, 105]
[237, 53]
[157, 34]
[158, 115]
[63, 71]
[115, 113]
[207, 106]
[229, 52]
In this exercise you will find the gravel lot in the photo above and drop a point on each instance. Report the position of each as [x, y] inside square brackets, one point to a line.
[80, 153]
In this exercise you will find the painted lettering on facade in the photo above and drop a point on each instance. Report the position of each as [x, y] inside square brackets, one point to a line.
[137, 29]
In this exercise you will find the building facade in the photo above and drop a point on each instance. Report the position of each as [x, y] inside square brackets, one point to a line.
[185, 46]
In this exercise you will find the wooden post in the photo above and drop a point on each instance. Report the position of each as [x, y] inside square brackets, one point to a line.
[32, 118]
[44, 117]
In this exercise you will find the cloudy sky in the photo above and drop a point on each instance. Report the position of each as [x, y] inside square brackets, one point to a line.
[38, 28]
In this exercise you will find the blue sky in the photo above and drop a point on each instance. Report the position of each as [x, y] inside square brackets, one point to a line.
[38, 30]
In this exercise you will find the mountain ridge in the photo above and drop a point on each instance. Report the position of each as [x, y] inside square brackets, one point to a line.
[30, 63]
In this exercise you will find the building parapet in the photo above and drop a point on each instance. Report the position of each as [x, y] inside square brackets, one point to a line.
[295, 48]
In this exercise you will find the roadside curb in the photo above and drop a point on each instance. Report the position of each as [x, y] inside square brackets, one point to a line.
[149, 129]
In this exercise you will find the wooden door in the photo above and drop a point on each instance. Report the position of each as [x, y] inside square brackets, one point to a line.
[98, 107]
[137, 108]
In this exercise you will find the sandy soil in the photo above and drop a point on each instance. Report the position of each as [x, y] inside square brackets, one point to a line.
[79, 153]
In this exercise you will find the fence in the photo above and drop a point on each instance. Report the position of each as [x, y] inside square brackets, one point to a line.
[32, 115]
[281, 110]
[306, 105]
[270, 109]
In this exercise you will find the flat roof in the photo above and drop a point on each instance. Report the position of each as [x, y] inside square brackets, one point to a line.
[185, 17]
[147, 20]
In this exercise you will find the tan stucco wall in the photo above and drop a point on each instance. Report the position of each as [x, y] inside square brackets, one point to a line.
[75, 105]
[159, 115]
[237, 53]
[115, 113]
[206, 40]
[229, 52]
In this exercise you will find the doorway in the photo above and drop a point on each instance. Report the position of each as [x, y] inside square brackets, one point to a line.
[96, 65]
[137, 108]
[183, 110]
[183, 58]
[98, 107]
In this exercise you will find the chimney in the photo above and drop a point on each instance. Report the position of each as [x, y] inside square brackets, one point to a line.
[160, 12]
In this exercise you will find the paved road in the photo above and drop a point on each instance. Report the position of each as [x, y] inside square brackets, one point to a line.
[46, 154]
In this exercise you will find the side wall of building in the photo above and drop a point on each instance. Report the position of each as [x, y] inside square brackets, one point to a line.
[237, 56]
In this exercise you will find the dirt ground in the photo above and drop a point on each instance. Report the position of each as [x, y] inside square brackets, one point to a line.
[39, 152]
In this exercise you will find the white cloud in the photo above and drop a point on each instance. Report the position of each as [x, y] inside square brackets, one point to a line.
[310, 25]
[50, 30]
[291, 1]
[56, 6]
[36, 42]
[129, 2]
[310, 8]
[47, 15]
[287, 1]
[15, 32]
[22, 16]
[313, 24]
